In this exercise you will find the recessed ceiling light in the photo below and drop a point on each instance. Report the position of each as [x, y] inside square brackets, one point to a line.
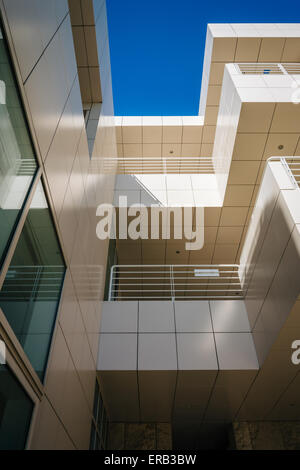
[171, 151]
[280, 147]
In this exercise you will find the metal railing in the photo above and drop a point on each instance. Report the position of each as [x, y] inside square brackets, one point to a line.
[291, 166]
[155, 165]
[25, 167]
[174, 282]
[32, 282]
[25, 283]
[271, 68]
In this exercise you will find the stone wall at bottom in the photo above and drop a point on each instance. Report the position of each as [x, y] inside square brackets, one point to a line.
[267, 435]
[140, 436]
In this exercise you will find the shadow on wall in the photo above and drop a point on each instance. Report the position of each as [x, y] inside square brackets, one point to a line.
[136, 192]
[272, 274]
[203, 436]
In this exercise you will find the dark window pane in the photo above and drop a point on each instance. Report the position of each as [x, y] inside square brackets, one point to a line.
[96, 399]
[93, 437]
[104, 428]
[101, 421]
[100, 413]
[17, 160]
[31, 291]
[98, 443]
[15, 411]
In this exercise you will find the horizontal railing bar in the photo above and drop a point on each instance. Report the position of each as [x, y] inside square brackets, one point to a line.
[161, 162]
[164, 288]
[179, 298]
[156, 159]
[34, 289]
[200, 266]
[41, 278]
[168, 271]
[38, 266]
[177, 277]
[183, 284]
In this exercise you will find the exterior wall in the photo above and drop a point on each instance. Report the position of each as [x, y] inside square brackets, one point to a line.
[270, 258]
[227, 124]
[41, 39]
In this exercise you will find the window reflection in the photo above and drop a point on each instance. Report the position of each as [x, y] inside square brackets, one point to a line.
[15, 411]
[99, 429]
[31, 291]
[17, 160]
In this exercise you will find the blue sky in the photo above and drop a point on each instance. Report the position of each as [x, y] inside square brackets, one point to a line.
[157, 48]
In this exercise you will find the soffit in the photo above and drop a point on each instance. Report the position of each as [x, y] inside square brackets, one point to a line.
[86, 49]
[262, 129]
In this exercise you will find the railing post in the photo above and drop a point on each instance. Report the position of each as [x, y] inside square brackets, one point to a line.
[288, 170]
[36, 282]
[172, 283]
[164, 166]
[110, 282]
[283, 69]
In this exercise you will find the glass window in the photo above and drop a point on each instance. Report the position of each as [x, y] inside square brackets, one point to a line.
[15, 411]
[98, 443]
[93, 437]
[100, 412]
[31, 291]
[17, 160]
[96, 399]
[99, 433]
[104, 429]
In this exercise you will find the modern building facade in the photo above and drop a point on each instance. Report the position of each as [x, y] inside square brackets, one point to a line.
[147, 341]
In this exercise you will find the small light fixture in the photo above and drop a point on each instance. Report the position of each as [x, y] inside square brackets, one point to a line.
[177, 251]
[280, 147]
[171, 151]
[206, 272]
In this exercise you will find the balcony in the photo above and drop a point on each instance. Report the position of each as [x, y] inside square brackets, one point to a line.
[185, 342]
[269, 68]
[174, 282]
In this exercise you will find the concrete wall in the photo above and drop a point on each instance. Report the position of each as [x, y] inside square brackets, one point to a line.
[41, 37]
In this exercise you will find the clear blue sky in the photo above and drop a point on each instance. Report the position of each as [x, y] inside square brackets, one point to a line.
[157, 48]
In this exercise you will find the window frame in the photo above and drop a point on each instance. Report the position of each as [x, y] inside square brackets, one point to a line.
[17, 365]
